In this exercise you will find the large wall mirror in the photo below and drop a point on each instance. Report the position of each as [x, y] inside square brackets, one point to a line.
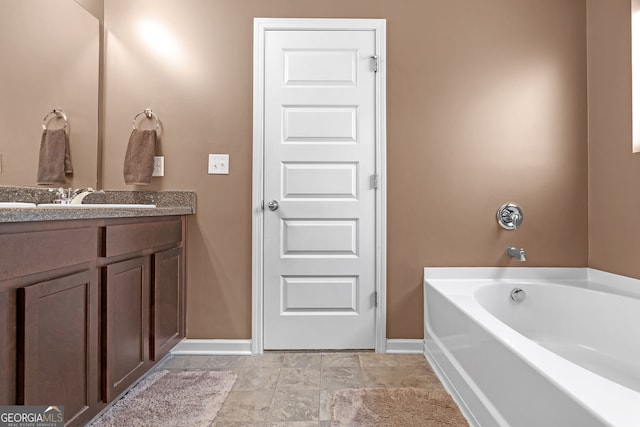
[50, 54]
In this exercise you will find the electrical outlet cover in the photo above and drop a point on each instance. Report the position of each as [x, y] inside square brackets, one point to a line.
[158, 166]
[218, 164]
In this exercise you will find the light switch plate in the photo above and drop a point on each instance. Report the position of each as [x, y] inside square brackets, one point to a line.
[158, 166]
[218, 164]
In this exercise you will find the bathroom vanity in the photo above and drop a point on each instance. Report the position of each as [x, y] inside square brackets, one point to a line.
[87, 305]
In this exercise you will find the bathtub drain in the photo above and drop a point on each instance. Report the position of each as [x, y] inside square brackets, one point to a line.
[518, 295]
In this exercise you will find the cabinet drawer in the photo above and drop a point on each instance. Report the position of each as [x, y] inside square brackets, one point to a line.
[34, 252]
[127, 238]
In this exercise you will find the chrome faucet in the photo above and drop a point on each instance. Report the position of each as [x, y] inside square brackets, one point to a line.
[63, 196]
[516, 253]
[80, 194]
[68, 196]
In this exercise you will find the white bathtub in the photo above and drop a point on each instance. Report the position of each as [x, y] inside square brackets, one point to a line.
[568, 355]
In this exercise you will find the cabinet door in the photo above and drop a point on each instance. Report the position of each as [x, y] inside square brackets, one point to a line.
[58, 363]
[127, 301]
[8, 355]
[166, 302]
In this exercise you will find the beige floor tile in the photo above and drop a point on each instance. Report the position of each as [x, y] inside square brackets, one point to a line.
[295, 405]
[377, 359]
[325, 405]
[268, 360]
[225, 363]
[411, 360]
[399, 376]
[246, 406]
[257, 379]
[340, 360]
[280, 389]
[299, 379]
[338, 378]
[302, 360]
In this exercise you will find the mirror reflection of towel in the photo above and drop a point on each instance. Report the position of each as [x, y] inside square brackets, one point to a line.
[138, 161]
[55, 158]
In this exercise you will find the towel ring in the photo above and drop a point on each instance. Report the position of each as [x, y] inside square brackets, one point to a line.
[55, 113]
[150, 115]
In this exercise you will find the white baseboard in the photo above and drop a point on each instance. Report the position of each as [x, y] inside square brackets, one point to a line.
[400, 346]
[212, 347]
[243, 347]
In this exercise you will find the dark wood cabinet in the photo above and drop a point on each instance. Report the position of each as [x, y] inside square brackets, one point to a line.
[8, 354]
[59, 346]
[86, 308]
[126, 323]
[166, 302]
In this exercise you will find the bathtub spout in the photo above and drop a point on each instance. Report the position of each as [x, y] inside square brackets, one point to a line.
[516, 253]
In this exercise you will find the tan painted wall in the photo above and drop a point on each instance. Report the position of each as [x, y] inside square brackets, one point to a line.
[486, 104]
[614, 172]
[94, 7]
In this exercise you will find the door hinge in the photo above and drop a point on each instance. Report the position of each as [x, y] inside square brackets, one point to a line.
[262, 205]
[374, 181]
[375, 298]
[374, 63]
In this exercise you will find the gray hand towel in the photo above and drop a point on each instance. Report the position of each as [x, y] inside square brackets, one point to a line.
[138, 162]
[55, 157]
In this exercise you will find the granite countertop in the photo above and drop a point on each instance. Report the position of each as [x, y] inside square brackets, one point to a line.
[168, 203]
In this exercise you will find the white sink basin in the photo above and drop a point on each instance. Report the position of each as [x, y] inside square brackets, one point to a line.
[12, 205]
[97, 206]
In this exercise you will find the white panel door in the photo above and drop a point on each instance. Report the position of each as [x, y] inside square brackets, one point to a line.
[319, 156]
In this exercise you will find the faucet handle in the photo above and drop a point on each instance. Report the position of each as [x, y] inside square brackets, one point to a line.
[515, 219]
[510, 216]
[61, 195]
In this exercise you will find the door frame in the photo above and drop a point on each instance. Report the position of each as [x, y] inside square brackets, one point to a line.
[261, 26]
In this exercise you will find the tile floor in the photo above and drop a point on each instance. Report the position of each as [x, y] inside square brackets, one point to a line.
[294, 389]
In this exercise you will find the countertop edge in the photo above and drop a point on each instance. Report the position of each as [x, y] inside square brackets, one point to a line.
[13, 215]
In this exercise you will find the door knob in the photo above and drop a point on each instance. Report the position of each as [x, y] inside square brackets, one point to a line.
[273, 205]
